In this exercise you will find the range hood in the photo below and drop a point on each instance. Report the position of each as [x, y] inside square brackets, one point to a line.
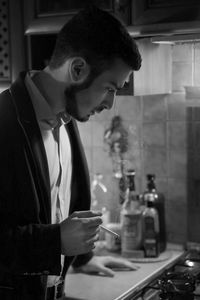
[178, 38]
[168, 33]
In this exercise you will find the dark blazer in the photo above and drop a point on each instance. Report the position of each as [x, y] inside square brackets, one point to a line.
[30, 246]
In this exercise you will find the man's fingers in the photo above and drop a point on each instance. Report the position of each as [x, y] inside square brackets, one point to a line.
[87, 218]
[106, 271]
[120, 263]
[85, 214]
[92, 240]
[93, 222]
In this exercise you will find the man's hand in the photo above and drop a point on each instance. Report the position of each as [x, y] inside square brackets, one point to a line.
[79, 232]
[106, 265]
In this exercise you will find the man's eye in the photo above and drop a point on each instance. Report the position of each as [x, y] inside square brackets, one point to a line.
[110, 90]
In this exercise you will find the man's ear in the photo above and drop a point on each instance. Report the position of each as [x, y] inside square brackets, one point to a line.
[79, 69]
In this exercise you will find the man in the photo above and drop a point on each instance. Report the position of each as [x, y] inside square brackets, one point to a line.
[45, 221]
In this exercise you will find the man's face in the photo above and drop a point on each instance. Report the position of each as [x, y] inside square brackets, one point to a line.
[82, 101]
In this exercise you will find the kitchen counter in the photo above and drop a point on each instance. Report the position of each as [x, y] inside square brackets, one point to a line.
[79, 286]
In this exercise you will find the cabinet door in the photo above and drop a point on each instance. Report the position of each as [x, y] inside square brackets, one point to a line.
[48, 16]
[146, 12]
[59, 7]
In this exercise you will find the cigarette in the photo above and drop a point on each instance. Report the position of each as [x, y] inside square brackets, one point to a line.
[110, 231]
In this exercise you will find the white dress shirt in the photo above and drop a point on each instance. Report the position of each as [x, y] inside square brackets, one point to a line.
[58, 151]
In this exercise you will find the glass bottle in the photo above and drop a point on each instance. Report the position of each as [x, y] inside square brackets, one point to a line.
[150, 228]
[159, 203]
[131, 218]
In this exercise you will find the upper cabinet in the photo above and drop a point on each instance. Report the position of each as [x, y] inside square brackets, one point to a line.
[157, 17]
[48, 16]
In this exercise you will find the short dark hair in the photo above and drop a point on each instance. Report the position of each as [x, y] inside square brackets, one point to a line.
[98, 37]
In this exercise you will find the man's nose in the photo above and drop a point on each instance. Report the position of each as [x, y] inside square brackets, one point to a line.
[110, 99]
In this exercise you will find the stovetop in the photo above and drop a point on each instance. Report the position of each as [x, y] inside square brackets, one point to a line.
[180, 282]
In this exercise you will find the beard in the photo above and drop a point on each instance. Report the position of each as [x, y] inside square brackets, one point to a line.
[71, 102]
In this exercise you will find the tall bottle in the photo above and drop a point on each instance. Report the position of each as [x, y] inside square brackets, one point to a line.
[131, 218]
[150, 228]
[159, 203]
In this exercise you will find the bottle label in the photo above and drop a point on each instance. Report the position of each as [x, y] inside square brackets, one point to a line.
[130, 226]
[150, 248]
[149, 227]
[131, 232]
[150, 237]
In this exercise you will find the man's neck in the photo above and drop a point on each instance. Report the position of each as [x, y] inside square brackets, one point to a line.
[52, 90]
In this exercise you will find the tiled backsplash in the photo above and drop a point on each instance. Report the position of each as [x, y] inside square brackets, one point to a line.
[158, 128]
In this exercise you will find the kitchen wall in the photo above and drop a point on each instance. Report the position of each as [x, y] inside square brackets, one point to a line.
[157, 126]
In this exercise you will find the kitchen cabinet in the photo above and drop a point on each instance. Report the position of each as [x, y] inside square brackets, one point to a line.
[155, 17]
[12, 58]
[48, 16]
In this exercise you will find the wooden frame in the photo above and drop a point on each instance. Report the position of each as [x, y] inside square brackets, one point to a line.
[65, 6]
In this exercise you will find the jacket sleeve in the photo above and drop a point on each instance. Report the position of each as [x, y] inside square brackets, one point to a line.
[28, 245]
[30, 250]
[82, 259]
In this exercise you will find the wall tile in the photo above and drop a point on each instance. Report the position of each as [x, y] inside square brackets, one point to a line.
[176, 221]
[196, 80]
[176, 107]
[176, 135]
[196, 47]
[177, 164]
[154, 134]
[194, 223]
[177, 190]
[196, 64]
[155, 161]
[154, 108]
[195, 113]
[182, 52]
[102, 162]
[134, 134]
[194, 136]
[194, 166]
[129, 107]
[182, 76]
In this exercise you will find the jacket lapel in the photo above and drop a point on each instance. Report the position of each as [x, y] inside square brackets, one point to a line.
[27, 120]
[80, 188]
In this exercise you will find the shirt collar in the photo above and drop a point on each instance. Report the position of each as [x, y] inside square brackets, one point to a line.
[44, 114]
